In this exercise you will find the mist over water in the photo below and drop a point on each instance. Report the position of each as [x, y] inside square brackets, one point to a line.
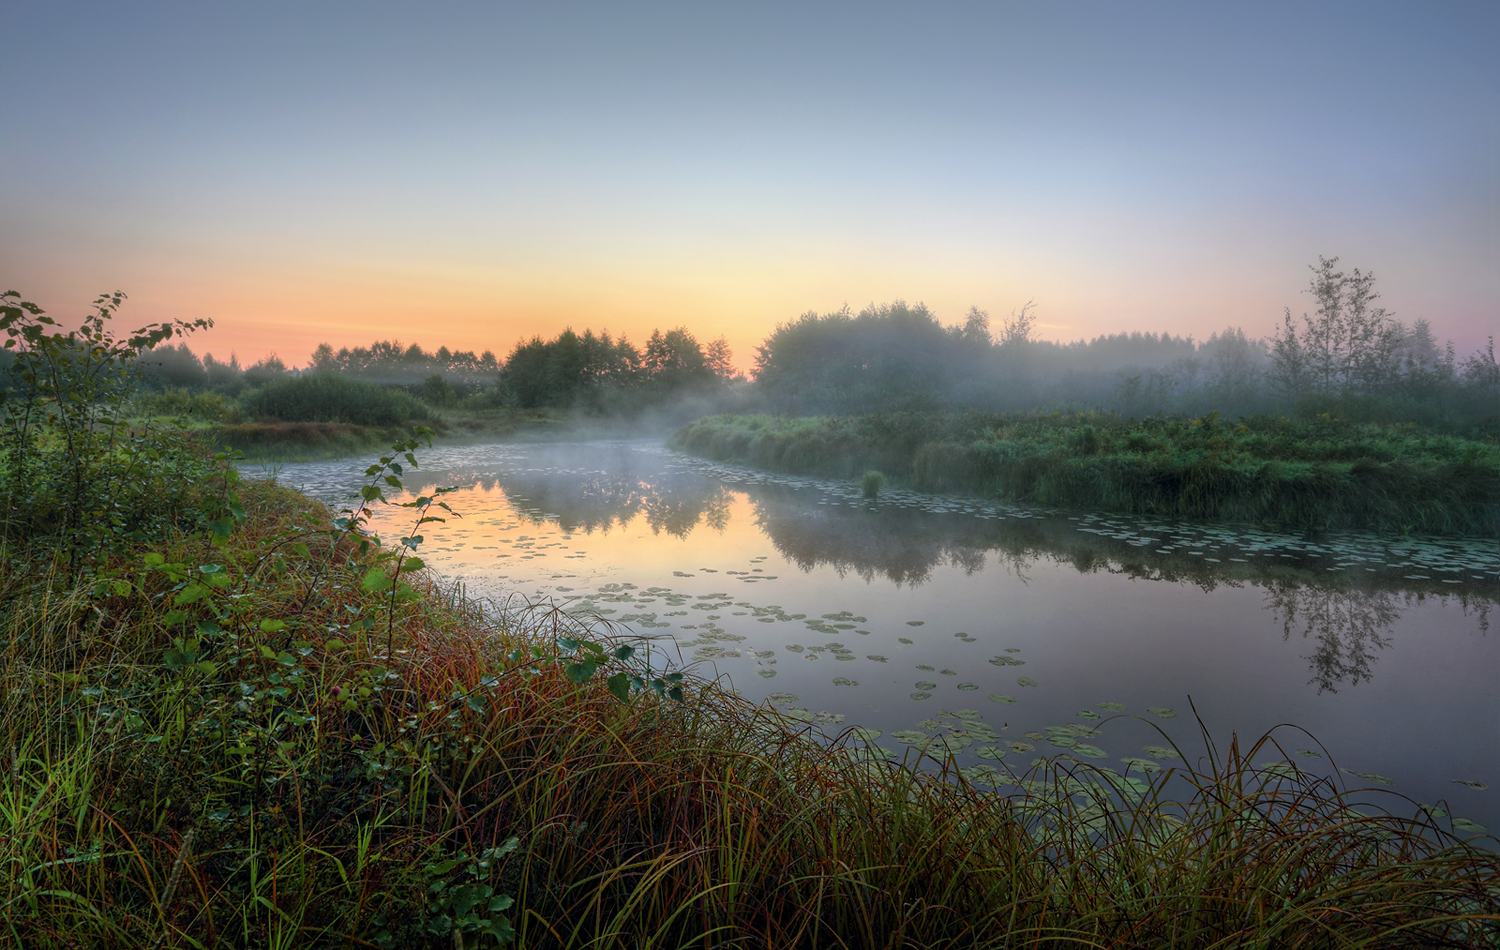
[997, 632]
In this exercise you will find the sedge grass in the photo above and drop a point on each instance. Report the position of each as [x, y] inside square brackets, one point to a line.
[323, 791]
[1306, 474]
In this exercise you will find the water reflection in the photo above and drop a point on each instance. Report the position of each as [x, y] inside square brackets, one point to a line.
[1348, 627]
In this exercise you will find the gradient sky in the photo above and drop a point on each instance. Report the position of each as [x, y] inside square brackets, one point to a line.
[470, 174]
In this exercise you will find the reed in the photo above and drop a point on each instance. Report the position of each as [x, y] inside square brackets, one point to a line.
[1301, 474]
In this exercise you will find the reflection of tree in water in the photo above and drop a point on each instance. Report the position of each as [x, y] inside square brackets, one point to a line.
[1347, 626]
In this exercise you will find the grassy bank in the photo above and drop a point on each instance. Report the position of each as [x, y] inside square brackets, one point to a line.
[250, 727]
[1315, 474]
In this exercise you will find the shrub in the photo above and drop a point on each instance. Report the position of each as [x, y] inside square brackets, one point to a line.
[324, 397]
[872, 483]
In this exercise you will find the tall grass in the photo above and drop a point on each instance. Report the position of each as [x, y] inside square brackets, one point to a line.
[295, 778]
[325, 397]
[1317, 474]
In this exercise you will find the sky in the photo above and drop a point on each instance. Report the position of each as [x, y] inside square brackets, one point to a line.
[471, 174]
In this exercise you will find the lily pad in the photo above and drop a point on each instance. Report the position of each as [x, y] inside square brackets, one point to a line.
[990, 752]
[795, 647]
[1025, 681]
[915, 623]
[865, 735]
[968, 714]
[1468, 827]
[967, 686]
[1002, 698]
[905, 641]
[1088, 714]
[1018, 746]
[782, 697]
[1161, 752]
[1112, 707]
[1162, 712]
[1310, 753]
[1092, 751]
[765, 674]
[1145, 765]
[925, 668]
[844, 681]
[1472, 784]
[926, 685]
[877, 658]
[909, 736]
[1372, 777]
[921, 696]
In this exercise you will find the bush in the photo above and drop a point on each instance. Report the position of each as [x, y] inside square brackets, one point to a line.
[323, 397]
[872, 483]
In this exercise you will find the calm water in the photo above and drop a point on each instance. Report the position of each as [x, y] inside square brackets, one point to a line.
[1001, 632]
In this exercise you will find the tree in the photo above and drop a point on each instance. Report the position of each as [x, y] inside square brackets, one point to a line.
[1347, 344]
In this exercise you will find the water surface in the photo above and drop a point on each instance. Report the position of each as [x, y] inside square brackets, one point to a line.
[996, 632]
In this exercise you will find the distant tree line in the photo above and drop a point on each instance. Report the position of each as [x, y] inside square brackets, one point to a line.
[1347, 356]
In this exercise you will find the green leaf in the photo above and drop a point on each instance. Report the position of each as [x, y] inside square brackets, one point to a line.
[624, 652]
[272, 626]
[580, 672]
[412, 564]
[375, 579]
[335, 645]
[619, 685]
[176, 659]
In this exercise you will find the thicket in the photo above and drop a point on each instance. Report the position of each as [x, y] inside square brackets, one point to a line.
[1349, 358]
[322, 397]
[1307, 474]
[248, 723]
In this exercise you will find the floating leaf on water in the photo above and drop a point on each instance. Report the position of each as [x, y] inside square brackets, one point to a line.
[1372, 777]
[1006, 661]
[1434, 811]
[948, 672]
[1017, 746]
[765, 674]
[983, 774]
[844, 681]
[1145, 765]
[1161, 752]
[1310, 753]
[801, 715]
[915, 623]
[1035, 736]
[904, 640]
[795, 647]
[921, 696]
[967, 686]
[954, 742]
[1012, 649]
[872, 753]
[1468, 827]
[909, 736]
[1025, 681]
[925, 668]
[930, 724]
[1472, 784]
[1280, 769]
[990, 752]
[968, 714]
[1088, 714]
[877, 658]
[1002, 698]
[865, 735]
[1112, 707]
[782, 698]
[1092, 751]
[926, 685]
[1162, 712]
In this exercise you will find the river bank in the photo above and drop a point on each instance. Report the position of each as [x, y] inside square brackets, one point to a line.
[262, 731]
[1310, 475]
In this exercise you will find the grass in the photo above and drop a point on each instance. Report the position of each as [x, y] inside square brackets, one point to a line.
[1306, 474]
[296, 755]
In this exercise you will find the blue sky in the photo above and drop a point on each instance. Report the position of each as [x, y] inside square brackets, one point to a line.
[472, 173]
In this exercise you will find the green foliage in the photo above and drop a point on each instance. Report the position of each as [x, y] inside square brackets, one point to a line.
[321, 397]
[72, 468]
[871, 483]
[1314, 473]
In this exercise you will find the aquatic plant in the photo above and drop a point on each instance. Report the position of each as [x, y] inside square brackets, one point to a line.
[871, 483]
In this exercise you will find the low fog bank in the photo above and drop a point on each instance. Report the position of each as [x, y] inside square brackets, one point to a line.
[1346, 358]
